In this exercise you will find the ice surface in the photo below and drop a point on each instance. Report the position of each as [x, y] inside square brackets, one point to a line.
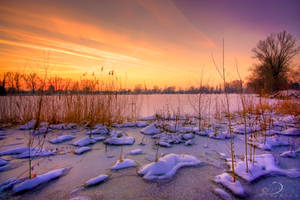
[167, 166]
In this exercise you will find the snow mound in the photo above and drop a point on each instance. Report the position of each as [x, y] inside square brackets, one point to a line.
[61, 139]
[264, 164]
[124, 164]
[119, 138]
[100, 130]
[188, 136]
[28, 125]
[87, 141]
[289, 154]
[291, 132]
[96, 180]
[40, 131]
[150, 130]
[3, 162]
[63, 126]
[222, 194]
[165, 138]
[163, 144]
[38, 180]
[189, 142]
[80, 198]
[240, 129]
[203, 131]
[2, 133]
[5, 167]
[136, 152]
[82, 150]
[219, 135]
[149, 118]
[167, 166]
[141, 124]
[14, 151]
[9, 183]
[267, 143]
[35, 152]
[227, 181]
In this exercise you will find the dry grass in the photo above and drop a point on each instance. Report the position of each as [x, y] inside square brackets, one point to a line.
[291, 107]
[71, 101]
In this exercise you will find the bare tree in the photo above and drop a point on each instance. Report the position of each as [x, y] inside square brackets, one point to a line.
[274, 55]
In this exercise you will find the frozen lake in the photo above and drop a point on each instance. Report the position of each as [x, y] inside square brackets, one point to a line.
[188, 183]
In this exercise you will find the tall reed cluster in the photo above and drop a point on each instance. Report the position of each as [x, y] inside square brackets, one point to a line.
[92, 99]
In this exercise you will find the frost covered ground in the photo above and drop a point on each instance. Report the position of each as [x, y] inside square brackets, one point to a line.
[95, 171]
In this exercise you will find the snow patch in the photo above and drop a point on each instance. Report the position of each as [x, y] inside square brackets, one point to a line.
[124, 164]
[96, 180]
[167, 166]
[61, 139]
[38, 180]
[82, 150]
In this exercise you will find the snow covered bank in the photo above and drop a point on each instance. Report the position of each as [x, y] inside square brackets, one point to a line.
[167, 166]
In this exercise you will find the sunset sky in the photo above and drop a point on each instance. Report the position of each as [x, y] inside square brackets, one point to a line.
[157, 42]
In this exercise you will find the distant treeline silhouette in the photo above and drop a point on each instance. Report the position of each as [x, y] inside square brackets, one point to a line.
[14, 83]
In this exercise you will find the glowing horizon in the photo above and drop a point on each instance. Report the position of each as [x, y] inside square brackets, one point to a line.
[153, 42]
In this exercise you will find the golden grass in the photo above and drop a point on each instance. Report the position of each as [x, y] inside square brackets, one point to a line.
[291, 107]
